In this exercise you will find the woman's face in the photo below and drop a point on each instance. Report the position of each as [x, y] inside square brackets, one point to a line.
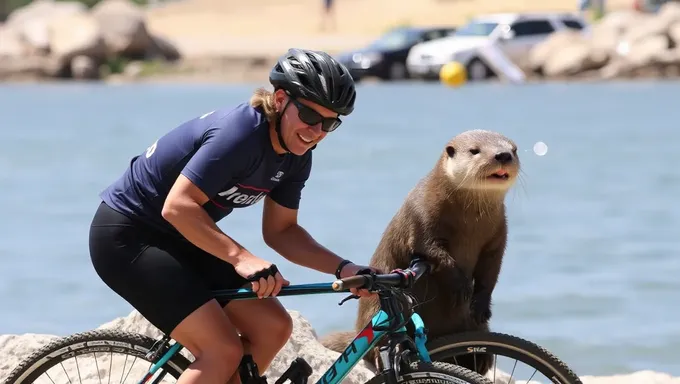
[298, 135]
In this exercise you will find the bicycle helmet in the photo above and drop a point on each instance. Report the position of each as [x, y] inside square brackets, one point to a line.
[317, 77]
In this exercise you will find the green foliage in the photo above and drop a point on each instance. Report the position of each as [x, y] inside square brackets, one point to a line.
[115, 64]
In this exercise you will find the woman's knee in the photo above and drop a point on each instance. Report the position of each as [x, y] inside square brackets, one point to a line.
[271, 325]
[209, 335]
[284, 328]
[278, 330]
[224, 352]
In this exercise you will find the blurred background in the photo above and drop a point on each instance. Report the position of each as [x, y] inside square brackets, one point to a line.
[590, 269]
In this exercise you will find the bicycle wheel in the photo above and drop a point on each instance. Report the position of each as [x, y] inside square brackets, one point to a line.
[97, 344]
[452, 348]
[436, 372]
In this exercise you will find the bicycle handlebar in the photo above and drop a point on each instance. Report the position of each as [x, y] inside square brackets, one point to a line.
[397, 278]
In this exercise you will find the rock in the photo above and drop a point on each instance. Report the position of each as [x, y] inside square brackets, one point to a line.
[556, 41]
[43, 39]
[603, 41]
[14, 348]
[74, 35]
[84, 67]
[32, 21]
[10, 43]
[28, 67]
[42, 9]
[123, 26]
[570, 60]
[622, 44]
[674, 33]
[640, 377]
[647, 51]
[161, 47]
[619, 22]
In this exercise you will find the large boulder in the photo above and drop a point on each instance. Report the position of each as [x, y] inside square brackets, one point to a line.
[123, 26]
[11, 44]
[50, 38]
[32, 21]
[623, 44]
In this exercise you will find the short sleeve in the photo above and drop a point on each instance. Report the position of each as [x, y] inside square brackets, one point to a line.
[289, 191]
[222, 153]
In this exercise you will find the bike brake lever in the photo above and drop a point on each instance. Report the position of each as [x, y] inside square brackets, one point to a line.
[348, 298]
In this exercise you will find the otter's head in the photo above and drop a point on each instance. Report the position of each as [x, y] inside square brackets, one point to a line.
[481, 160]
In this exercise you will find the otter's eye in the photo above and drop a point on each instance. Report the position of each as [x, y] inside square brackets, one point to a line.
[450, 151]
[474, 151]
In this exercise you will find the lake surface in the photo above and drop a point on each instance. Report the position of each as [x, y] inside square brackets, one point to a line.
[592, 264]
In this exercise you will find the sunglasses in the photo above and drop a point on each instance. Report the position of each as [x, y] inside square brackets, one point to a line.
[311, 117]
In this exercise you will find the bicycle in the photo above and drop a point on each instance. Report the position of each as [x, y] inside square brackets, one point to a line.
[404, 359]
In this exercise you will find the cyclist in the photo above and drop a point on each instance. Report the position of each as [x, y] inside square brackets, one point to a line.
[154, 241]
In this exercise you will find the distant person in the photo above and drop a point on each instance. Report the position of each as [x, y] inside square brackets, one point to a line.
[154, 238]
[328, 16]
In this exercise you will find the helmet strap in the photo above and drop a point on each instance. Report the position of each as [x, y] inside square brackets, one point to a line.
[278, 128]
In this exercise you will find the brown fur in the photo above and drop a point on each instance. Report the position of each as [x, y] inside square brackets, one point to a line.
[456, 218]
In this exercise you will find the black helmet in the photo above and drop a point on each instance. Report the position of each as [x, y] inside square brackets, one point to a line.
[316, 76]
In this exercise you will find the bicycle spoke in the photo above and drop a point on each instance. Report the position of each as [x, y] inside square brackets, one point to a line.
[96, 363]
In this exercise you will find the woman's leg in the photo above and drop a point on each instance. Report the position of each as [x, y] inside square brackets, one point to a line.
[144, 269]
[213, 340]
[266, 325]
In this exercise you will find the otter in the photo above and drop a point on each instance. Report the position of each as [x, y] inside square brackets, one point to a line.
[455, 218]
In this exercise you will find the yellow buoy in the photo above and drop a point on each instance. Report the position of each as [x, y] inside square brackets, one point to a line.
[453, 74]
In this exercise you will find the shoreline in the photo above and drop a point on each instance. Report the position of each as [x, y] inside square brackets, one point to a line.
[209, 40]
[304, 342]
[255, 70]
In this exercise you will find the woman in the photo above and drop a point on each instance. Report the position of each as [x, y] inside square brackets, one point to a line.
[154, 240]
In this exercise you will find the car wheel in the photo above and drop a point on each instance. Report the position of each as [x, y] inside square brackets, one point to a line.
[477, 70]
[397, 71]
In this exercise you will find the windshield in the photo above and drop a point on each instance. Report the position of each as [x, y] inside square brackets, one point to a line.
[476, 29]
[395, 39]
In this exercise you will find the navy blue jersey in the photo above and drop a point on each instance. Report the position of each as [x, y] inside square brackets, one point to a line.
[227, 153]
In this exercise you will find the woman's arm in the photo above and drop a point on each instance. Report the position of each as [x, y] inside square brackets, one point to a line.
[183, 209]
[281, 232]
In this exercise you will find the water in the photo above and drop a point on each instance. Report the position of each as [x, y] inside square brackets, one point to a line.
[592, 262]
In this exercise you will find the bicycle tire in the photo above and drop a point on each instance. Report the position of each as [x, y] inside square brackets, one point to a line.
[502, 344]
[421, 372]
[103, 340]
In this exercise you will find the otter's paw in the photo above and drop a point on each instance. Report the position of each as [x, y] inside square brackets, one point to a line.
[481, 308]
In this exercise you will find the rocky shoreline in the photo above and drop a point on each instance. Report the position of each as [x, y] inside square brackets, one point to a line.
[304, 342]
[49, 39]
[64, 41]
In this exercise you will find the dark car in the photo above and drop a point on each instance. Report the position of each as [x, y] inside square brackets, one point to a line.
[385, 57]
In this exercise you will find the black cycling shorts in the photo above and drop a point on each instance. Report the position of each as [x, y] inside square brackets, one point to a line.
[164, 277]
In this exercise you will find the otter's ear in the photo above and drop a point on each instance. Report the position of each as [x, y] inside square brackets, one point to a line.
[450, 151]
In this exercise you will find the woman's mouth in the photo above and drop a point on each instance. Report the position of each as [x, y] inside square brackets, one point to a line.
[305, 139]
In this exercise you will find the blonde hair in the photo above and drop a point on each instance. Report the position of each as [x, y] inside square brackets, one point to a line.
[264, 99]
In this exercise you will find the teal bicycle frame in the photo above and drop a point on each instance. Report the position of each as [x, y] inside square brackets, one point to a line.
[382, 325]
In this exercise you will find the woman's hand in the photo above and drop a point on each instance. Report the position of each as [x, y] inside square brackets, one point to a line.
[252, 265]
[351, 270]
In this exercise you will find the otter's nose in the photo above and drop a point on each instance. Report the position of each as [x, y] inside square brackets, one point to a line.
[504, 157]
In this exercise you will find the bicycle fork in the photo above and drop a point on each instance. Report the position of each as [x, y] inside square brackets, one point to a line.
[389, 360]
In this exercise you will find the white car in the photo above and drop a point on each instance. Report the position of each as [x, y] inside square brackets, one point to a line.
[514, 34]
